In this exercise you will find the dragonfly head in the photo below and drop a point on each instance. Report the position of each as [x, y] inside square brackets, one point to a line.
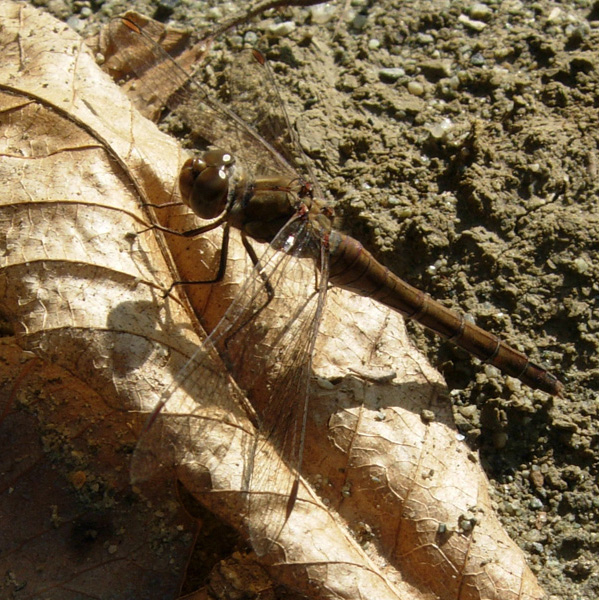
[204, 183]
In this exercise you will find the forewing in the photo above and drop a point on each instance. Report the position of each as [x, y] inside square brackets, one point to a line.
[266, 339]
[265, 342]
[204, 113]
[256, 98]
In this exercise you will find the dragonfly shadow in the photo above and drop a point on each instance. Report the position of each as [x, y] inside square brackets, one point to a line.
[149, 349]
[139, 329]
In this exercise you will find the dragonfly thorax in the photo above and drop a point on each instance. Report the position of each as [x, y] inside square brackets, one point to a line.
[265, 204]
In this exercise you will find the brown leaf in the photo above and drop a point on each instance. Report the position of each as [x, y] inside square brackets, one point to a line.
[83, 293]
[73, 293]
[429, 504]
[123, 67]
[414, 487]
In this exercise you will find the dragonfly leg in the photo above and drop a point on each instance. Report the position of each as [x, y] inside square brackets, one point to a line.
[270, 292]
[164, 205]
[222, 263]
[254, 258]
[186, 234]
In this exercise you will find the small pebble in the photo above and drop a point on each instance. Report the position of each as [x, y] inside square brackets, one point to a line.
[325, 384]
[471, 23]
[477, 59]
[391, 74]
[425, 38]
[436, 68]
[214, 13]
[555, 15]
[322, 13]
[466, 523]
[537, 547]
[415, 88]
[78, 479]
[500, 439]
[379, 416]
[359, 22]
[236, 42]
[537, 479]
[440, 130]
[250, 38]
[535, 504]
[75, 23]
[581, 265]
[480, 12]
[282, 29]
[427, 416]
[468, 412]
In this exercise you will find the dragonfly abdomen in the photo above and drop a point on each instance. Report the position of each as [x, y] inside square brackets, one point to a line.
[354, 268]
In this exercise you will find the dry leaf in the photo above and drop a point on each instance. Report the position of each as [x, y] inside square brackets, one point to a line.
[70, 524]
[83, 293]
[172, 40]
[413, 485]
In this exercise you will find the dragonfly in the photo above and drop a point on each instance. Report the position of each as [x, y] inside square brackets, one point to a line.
[254, 177]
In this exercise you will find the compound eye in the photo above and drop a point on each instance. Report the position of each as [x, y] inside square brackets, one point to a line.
[217, 158]
[204, 185]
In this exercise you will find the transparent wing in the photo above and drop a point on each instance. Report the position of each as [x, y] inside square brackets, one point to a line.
[266, 338]
[265, 341]
[137, 46]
